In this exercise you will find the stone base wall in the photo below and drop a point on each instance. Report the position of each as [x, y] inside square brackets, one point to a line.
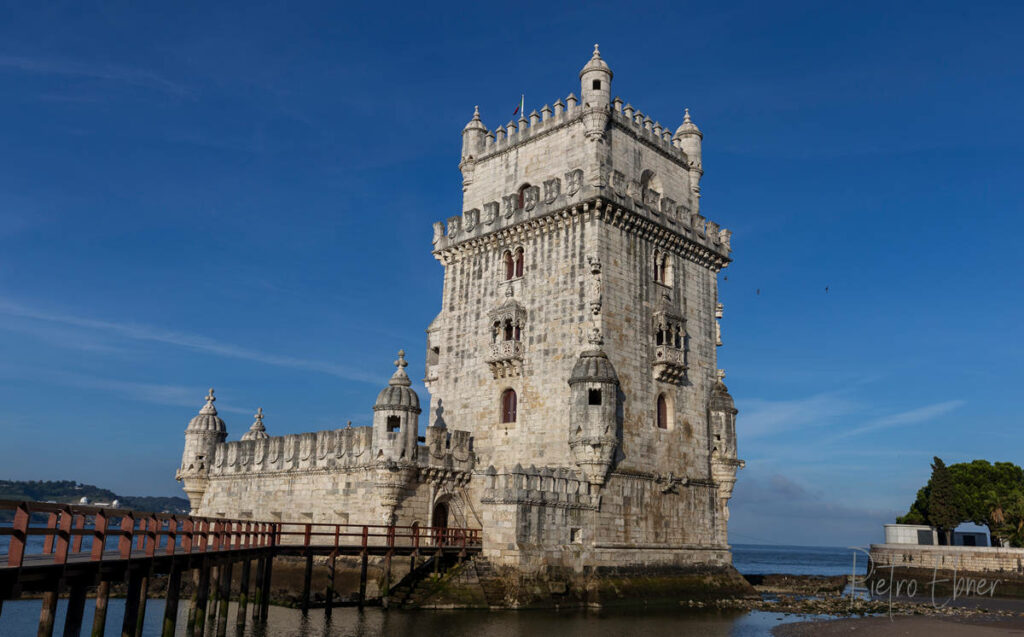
[978, 559]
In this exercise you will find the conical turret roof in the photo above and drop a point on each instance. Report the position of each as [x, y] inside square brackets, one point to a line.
[596, 64]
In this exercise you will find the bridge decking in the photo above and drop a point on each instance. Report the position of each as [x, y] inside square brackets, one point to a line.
[77, 554]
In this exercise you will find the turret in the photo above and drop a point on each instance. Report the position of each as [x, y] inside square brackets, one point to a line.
[594, 416]
[722, 429]
[396, 416]
[596, 82]
[688, 139]
[203, 434]
[595, 89]
[474, 137]
[257, 431]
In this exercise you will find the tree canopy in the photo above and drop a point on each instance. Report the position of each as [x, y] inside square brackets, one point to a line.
[984, 493]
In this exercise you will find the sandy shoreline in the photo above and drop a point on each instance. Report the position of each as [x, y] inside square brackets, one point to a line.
[911, 626]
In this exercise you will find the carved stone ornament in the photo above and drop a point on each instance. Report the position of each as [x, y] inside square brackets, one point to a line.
[508, 205]
[490, 212]
[438, 231]
[668, 208]
[530, 197]
[552, 188]
[619, 183]
[594, 291]
[471, 218]
[573, 181]
[454, 224]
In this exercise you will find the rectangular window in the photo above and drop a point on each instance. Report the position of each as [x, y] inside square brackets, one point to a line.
[597, 85]
[594, 397]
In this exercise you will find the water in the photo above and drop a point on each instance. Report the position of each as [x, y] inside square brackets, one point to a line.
[760, 559]
[22, 617]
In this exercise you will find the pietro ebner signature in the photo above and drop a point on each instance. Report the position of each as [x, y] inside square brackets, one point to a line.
[876, 585]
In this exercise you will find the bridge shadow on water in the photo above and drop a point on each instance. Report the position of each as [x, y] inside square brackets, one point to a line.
[21, 618]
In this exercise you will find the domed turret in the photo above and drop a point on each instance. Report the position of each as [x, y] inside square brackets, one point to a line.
[204, 432]
[688, 138]
[594, 413]
[257, 431]
[596, 81]
[473, 136]
[724, 463]
[396, 416]
[207, 420]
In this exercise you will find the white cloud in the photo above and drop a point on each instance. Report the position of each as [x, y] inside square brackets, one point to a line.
[135, 77]
[760, 418]
[910, 417]
[189, 341]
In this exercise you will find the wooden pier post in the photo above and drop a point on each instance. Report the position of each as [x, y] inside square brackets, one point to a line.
[171, 605]
[224, 593]
[362, 579]
[362, 569]
[49, 612]
[329, 603]
[99, 620]
[257, 600]
[243, 593]
[76, 607]
[190, 627]
[268, 572]
[201, 598]
[214, 596]
[143, 598]
[307, 579]
[131, 603]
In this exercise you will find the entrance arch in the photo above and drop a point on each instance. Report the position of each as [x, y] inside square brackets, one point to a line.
[439, 520]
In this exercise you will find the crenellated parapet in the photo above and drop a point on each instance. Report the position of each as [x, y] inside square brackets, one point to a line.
[691, 235]
[560, 487]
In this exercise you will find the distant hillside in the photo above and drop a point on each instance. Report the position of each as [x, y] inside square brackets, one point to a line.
[68, 491]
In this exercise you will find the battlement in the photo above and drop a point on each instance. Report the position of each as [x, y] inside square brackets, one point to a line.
[559, 487]
[674, 222]
[334, 449]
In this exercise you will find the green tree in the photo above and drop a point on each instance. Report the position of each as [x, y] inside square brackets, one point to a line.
[944, 510]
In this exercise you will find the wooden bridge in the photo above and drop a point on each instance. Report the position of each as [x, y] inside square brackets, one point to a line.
[85, 546]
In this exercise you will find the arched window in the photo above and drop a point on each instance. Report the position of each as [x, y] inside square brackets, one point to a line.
[509, 331]
[516, 333]
[510, 270]
[662, 412]
[661, 267]
[394, 424]
[521, 200]
[508, 405]
[519, 262]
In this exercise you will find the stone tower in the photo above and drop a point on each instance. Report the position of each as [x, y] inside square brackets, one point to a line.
[578, 331]
[203, 434]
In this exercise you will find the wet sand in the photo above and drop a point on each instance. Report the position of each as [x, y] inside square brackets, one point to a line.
[911, 626]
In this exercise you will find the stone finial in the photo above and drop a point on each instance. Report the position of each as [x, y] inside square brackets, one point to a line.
[208, 408]
[686, 116]
[720, 375]
[348, 425]
[257, 431]
[400, 377]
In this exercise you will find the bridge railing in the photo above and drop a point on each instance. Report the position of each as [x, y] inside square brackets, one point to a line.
[73, 531]
[367, 536]
[83, 532]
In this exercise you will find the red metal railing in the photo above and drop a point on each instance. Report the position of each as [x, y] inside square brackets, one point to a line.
[148, 534]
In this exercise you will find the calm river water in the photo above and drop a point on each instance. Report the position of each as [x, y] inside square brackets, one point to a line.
[22, 617]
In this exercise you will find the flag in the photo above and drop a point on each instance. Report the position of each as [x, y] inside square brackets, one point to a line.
[520, 107]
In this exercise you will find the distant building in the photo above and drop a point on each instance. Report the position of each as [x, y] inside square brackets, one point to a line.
[577, 413]
[923, 535]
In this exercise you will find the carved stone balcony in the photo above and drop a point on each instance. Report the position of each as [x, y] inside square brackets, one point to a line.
[505, 358]
[669, 364]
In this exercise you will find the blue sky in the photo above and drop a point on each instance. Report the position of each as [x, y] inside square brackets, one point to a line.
[241, 196]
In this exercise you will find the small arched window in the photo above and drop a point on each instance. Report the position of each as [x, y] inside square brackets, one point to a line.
[508, 406]
[521, 199]
[394, 424]
[509, 331]
[519, 262]
[661, 268]
[510, 268]
[662, 412]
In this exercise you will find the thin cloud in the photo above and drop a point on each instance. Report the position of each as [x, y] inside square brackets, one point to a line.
[911, 417]
[759, 418]
[134, 77]
[189, 341]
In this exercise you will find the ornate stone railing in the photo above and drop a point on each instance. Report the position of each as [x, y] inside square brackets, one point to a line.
[505, 358]
[669, 364]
